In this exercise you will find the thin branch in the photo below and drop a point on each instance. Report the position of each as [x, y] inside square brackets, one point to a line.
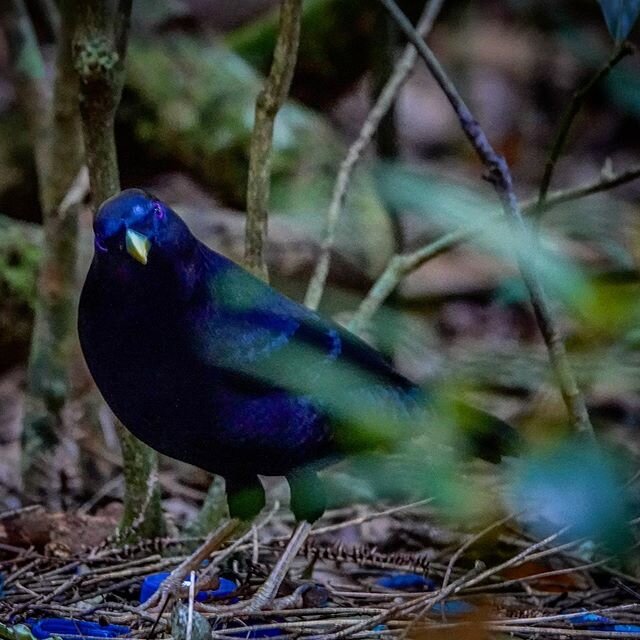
[55, 132]
[51, 16]
[498, 173]
[398, 267]
[606, 183]
[386, 98]
[268, 103]
[402, 265]
[622, 51]
[27, 68]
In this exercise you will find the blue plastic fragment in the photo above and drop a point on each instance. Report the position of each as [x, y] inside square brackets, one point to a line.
[453, 607]
[595, 622]
[151, 584]
[625, 628]
[589, 618]
[1, 586]
[72, 629]
[405, 582]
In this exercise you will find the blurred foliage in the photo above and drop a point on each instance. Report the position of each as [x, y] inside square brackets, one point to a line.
[620, 16]
[451, 206]
[19, 259]
[203, 118]
[325, 45]
[576, 485]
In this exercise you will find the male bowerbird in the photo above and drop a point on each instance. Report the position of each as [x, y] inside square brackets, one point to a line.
[212, 366]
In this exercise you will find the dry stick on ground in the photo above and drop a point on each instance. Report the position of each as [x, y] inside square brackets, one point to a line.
[622, 50]
[55, 132]
[499, 175]
[99, 50]
[402, 265]
[386, 98]
[268, 103]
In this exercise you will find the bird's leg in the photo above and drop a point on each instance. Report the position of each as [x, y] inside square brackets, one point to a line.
[172, 584]
[267, 593]
[245, 500]
[264, 597]
[308, 502]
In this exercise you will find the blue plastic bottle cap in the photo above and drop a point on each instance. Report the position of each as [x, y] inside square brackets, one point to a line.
[595, 622]
[74, 629]
[405, 582]
[151, 584]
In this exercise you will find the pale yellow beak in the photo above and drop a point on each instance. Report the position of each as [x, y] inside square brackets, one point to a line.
[138, 246]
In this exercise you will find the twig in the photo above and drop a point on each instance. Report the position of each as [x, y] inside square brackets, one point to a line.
[471, 541]
[402, 265]
[561, 631]
[385, 99]
[424, 603]
[499, 175]
[517, 560]
[192, 596]
[398, 267]
[369, 516]
[622, 50]
[606, 183]
[268, 103]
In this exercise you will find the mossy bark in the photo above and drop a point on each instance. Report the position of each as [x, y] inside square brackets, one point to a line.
[19, 261]
[99, 50]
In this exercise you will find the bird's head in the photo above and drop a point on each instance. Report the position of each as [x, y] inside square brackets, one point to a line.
[136, 224]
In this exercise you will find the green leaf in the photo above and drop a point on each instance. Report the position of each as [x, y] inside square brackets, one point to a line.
[453, 206]
[574, 484]
[620, 16]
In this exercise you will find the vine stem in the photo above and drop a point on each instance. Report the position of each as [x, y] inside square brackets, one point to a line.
[499, 175]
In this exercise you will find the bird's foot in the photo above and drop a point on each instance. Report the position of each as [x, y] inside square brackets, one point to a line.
[265, 597]
[173, 585]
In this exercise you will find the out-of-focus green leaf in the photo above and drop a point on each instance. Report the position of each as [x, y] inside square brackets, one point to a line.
[620, 16]
[574, 484]
[193, 101]
[452, 206]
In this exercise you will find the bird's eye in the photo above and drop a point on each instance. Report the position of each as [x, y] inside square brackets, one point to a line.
[158, 211]
[100, 245]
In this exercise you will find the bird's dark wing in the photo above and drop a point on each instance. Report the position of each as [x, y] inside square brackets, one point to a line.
[247, 322]
[264, 339]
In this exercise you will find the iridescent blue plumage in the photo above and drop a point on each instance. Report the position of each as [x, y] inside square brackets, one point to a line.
[210, 365]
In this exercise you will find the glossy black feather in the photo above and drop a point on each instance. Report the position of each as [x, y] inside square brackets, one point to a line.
[210, 365]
